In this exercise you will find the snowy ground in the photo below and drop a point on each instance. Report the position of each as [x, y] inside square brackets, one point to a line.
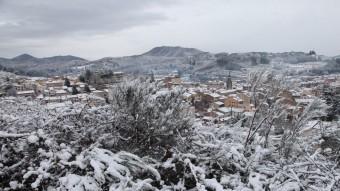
[72, 148]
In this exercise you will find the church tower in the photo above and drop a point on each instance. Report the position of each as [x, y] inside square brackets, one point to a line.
[229, 82]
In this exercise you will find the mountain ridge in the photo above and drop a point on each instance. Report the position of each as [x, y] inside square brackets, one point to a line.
[26, 64]
[160, 59]
[172, 51]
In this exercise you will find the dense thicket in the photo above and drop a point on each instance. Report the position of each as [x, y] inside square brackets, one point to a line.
[145, 139]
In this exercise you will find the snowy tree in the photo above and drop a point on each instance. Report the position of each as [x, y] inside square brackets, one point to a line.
[146, 139]
[67, 82]
[87, 89]
[147, 117]
[74, 90]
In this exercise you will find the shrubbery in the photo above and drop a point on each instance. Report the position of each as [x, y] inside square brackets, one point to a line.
[145, 139]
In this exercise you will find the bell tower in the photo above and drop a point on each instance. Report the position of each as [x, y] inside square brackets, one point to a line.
[229, 83]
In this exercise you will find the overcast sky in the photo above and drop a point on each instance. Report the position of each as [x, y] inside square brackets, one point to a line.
[98, 28]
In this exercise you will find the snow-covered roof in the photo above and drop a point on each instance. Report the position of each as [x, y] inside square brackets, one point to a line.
[55, 105]
[335, 84]
[207, 118]
[214, 95]
[249, 113]
[40, 96]
[224, 109]
[234, 96]
[60, 92]
[98, 91]
[219, 113]
[224, 91]
[51, 98]
[304, 100]
[25, 92]
[218, 103]
[186, 94]
[230, 109]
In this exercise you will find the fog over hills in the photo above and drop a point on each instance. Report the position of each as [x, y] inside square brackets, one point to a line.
[160, 60]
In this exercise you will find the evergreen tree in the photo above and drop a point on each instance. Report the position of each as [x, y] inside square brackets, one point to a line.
[74, 90]
[87, 89]
[81, 78]
[264, 60]
[312, 52]
[152, 78]
[88, 75]
[67, 82]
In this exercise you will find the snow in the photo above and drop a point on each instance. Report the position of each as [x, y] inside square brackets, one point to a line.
[73, 147]
[213, 184]
[256, 181]
[78, 183]
[290, 186]
[14, 185]
[25, 92]
[32, 139]
[5, 134]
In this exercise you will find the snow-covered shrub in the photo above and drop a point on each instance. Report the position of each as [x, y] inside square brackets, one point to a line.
[27, 160]
[148, 119]
[41, 145]
[316, 109]
[79, 146]
[100, 169]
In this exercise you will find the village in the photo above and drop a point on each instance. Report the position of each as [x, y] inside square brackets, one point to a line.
[59, 91]
[218, 101]
[212, 101]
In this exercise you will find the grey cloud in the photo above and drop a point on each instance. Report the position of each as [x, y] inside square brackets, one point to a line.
[46, 18]
[98, 28]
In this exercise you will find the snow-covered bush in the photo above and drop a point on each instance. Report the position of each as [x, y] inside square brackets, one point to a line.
[148, 119]
[97, 169]
[78, 146]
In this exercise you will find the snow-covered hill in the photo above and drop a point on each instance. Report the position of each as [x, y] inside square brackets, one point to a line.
[160, 60]
[172, 51]
[26, 64]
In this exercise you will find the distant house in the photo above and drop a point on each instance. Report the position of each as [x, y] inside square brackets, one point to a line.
[101, 78]
[245, 96]
[217, 104]
[18, 87]
[226, 92]
[170, 81]
[29, 93]
[233, 101]
[52, 100]
[54, 83]
[335, 87]
[61, 92]
[212, 96]
[229, 111]
[209, 98]
[287, 98]
[189, 97]
[304, 101]
[99, 93]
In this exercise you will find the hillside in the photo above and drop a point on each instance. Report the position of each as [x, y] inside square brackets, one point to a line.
[168, 51]
[198, 64]
[26, 64]
[160, 60]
